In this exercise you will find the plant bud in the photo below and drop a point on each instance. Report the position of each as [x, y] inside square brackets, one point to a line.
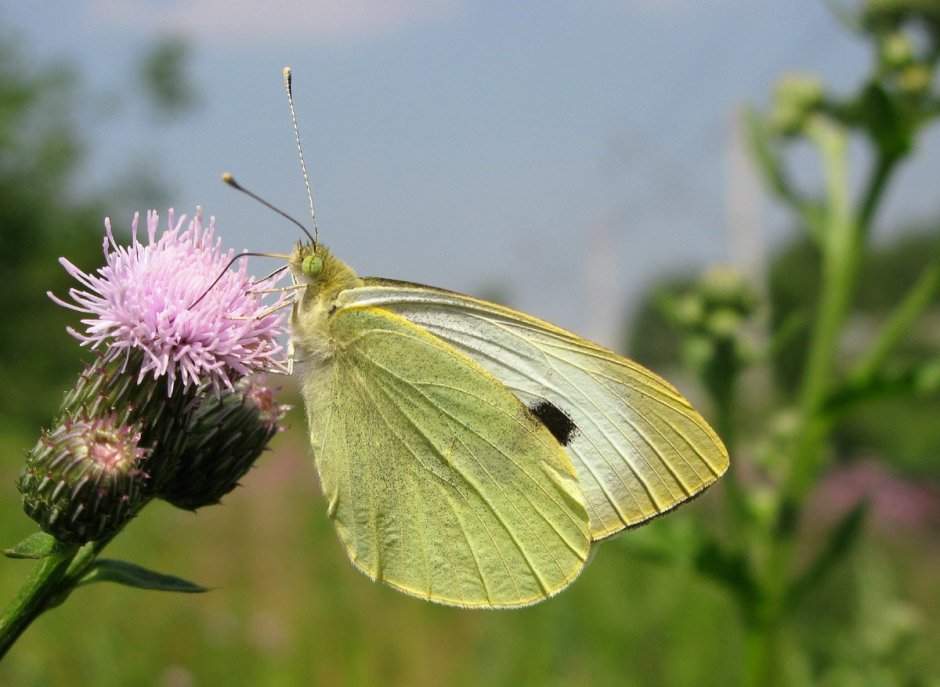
[84, 479]
[106, 387]
[896, 50]
[915, 79]
[795, 98]
[225, 436]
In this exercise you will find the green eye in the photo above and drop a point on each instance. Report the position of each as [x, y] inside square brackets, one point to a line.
[312, 265]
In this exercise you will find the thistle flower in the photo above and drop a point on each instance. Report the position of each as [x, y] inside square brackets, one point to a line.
[161, 298]
[168, 307]
[81, 481]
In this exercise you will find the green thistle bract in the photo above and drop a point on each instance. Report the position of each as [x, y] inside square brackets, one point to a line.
[82, 479]
[224, 438]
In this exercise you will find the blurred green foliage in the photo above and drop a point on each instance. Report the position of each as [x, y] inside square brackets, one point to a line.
[839, 361]
[43, 217]
[39, 220]
[287, 608]
[165, 79]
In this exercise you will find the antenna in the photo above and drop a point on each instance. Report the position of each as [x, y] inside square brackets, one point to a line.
[230, 180]
[300, 152]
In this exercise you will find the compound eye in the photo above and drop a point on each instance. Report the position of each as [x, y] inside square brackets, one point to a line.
[312, 265]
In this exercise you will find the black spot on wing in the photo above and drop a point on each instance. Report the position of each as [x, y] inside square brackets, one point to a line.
[556, 421]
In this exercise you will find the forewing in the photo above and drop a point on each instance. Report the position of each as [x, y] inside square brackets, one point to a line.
[439, 480]
[638, 446]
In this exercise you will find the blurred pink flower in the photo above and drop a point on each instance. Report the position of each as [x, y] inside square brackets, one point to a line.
[161, 298]
[894, 501]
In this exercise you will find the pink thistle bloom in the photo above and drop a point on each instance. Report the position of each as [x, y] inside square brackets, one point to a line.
[160, 298]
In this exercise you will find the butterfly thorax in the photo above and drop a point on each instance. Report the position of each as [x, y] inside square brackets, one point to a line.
[325, 277]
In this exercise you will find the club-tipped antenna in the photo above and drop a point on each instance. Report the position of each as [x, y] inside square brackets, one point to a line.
[300, 152]
[230, 180]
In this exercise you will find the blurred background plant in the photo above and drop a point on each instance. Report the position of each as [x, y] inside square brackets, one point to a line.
[844, 346]
[814, 562]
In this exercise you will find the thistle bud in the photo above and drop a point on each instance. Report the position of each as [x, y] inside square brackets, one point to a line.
[105, 388]
[795, 97]
[226, 434]
[896, 50]
[84, 479]
[724, 288]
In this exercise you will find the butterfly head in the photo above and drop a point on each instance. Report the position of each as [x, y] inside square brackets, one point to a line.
[324, 275]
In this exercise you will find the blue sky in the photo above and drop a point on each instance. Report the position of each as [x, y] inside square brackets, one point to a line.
[562, 152]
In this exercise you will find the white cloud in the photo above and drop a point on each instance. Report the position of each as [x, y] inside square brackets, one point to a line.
[313, 20]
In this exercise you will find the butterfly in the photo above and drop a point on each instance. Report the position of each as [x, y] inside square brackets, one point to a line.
[471, 454]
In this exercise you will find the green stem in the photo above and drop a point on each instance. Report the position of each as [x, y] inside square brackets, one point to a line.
[884, 166]
[50, 583]
[761, 663]
[846, 236]
[840, 256]
[41, 590]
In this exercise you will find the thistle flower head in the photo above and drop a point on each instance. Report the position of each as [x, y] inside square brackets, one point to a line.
[226, 434]
[160, 298]
[84, 479]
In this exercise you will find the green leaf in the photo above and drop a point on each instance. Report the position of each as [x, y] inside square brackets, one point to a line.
[131, 575]
[787, 332]
[840, 542]
[922, 379]
[885, 121]
[37, 545]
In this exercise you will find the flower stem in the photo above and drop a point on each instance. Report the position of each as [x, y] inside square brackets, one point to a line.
[51, 582]
[760, 655]
[840, 260]
[41, 591]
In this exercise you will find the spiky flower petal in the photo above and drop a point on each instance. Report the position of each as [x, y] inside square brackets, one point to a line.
[174, 299]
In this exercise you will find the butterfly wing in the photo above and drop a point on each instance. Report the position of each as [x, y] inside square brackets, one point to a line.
[638, 446]
[440, 482]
